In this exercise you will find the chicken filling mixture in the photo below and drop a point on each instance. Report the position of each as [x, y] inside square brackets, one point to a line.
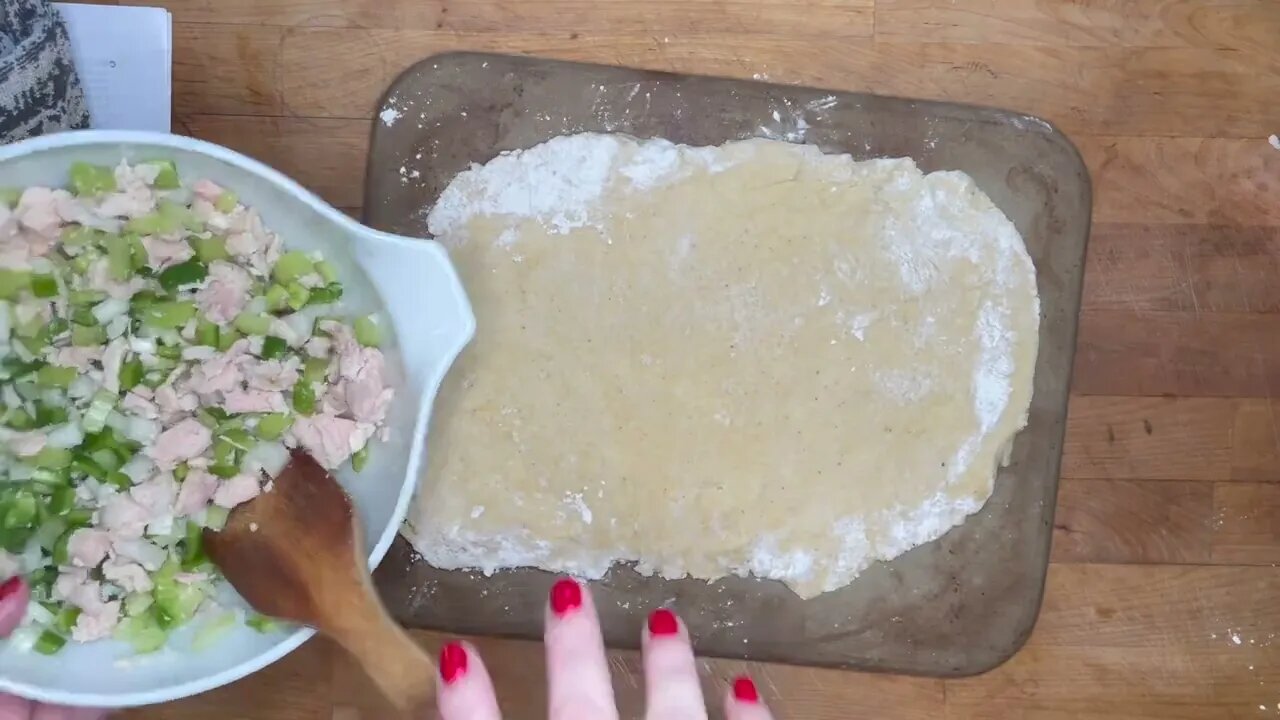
[160, 353]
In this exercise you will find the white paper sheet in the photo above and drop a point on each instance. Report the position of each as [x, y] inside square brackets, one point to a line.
[124, 56]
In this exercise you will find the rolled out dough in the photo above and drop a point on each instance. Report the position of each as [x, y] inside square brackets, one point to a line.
[754, 358]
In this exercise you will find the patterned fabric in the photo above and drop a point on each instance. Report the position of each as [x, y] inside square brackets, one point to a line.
[39, 89]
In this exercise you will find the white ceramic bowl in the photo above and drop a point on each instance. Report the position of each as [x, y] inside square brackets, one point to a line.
[409, 281]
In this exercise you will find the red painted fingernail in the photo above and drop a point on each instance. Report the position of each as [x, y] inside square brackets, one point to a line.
[744, 690]
[663, 622]
[10, 587]
[453, 662]
[566, 596]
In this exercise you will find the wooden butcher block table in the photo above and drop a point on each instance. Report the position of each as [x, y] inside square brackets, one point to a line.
[1162, 598]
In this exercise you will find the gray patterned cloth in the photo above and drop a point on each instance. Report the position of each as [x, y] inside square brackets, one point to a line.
[39, 90]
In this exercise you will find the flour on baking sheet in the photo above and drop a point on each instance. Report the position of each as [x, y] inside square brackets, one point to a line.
[749, 359]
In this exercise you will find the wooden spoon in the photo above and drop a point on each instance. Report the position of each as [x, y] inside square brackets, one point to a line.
[297, 553]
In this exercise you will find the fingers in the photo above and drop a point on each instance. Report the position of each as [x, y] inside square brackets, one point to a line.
[577, 670]
[13, 605]
[743, 701]
[672, 689]
[53, 712]
[466, 691]
[14, 708]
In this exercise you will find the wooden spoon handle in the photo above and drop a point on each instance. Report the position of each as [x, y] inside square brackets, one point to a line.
[402, 670]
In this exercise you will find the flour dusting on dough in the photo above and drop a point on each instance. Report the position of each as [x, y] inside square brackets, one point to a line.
[749, 359]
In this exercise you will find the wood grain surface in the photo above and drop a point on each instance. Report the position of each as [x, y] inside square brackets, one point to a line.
[1163, 598]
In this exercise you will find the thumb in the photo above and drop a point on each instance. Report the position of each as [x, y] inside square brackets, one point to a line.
[14, 595]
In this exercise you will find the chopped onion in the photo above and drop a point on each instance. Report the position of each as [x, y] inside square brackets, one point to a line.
[142, 346]
[117, 327]
[199, 352]
[82, 387]
[117, 421]
[109, 310]
[65, 436]
[141, 430]
[269, 457]
[139, 468]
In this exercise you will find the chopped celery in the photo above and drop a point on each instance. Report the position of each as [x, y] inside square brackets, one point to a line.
[225, 452]
[181, 471]
[138, 257]
[86, 465]
[330, 293]
[315, 370]
[21, 510]
[9, 197]
[210, 248]
[213, 629]
[327, 271]
[18, 419]
[169, 218]
[138, 603]
[367, 331]
[142, 632]
[53, 458]
[89, 179]
[277, 298]
[299, 295]
[66, 619]
[59, 553]
[167, 178]
[169, 352]
[107, 459]
[86, 297]
[44, 286]
[119, 257]
[49, 643]
[78, 517]
[88, 336]
[13, 282]
[291, 266]
[49, 414]
[273, 348]
[46, 480]
[227, 337]
[226, 202]
[168, 314]
[215, 517]
[182, 214]
[56, 376]
[360, 458]
[176, 603]
[193, 554]
[131, 372]
[251, 324]
[120, 481]
[304, 397]
[272, 425]
[206, 333]
[224, 471]
[62, 500]
[263, 624]
[95, 417]
[83, 316]
[77, 235]
[186, 273]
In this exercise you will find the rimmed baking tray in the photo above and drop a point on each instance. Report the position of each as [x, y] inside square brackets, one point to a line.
[957, 606]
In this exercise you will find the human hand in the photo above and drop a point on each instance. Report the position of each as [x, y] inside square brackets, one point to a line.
[578, 671]
[14, 596]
